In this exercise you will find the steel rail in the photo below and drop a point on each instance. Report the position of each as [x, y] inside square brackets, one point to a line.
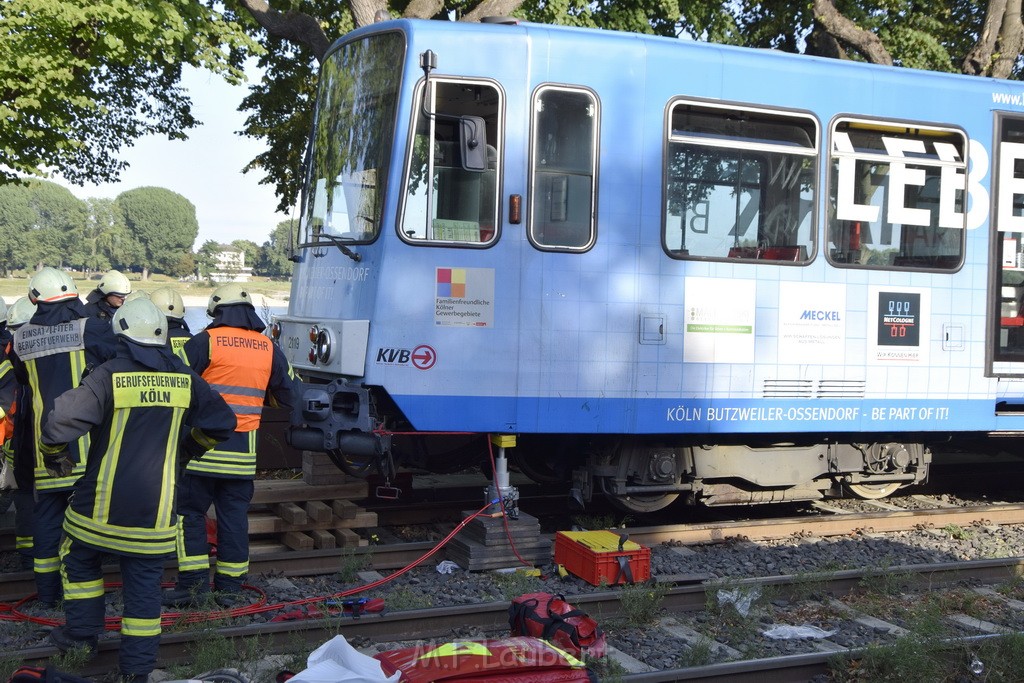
[16, 585]
[441, 622]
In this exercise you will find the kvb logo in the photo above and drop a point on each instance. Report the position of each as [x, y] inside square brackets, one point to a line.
[422, 357]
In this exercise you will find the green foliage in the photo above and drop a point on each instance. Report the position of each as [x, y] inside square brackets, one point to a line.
[404, 598]
[38, 224]
[81, 78]
[273, 259]
[163, 222]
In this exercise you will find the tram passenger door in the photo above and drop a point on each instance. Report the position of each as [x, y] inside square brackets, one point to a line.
[1006, 300]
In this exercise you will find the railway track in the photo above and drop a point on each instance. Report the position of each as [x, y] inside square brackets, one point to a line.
[491, 619]
[685, 596]
[17, 585]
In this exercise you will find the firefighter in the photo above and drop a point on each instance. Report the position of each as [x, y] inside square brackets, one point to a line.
[109, 295]
[50, 354]
[134, 406]
[172, 306]
[249, 371]
[17, 456]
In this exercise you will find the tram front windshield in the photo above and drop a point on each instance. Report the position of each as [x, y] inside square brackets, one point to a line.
[352, 139]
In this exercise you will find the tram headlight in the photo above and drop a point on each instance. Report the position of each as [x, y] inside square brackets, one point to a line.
[324, 344]
[313, 332]
[312, 355]
[275, 331]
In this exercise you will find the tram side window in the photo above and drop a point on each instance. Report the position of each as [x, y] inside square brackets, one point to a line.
[896, 195]
[563, 168]
[739, 183]
[461, 204]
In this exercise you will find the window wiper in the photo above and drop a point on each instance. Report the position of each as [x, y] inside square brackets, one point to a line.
[339, 242]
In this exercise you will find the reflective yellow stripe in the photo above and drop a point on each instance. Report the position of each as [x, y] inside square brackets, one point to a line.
[23, 542]
[234, 569]
[193, 563]
[134, 540]
[108, 466]
[46, 565]
[165, 513]
[189, 563]
[231, 463]
[83, 590]
[133, 626]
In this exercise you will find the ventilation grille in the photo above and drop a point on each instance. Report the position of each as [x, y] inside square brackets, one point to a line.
[841, 388]
[788, 388]
[807, 388]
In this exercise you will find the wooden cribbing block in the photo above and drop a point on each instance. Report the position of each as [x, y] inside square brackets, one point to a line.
[296, 540]
[319, 511]
[345, 509]
[290, 512]
[348, 538]
[322, 538]
[290, 490]
[269, 523]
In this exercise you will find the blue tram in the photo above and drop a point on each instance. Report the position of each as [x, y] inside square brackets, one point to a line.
[671, 269]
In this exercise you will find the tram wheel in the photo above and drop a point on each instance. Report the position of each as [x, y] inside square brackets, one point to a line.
[643, 504]
[873, 491]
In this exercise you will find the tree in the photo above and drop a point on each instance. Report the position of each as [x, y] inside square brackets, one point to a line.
[79, 79]
[273, 260]
[163, 223]
[206, 258]
[38, 222]
[249, 249]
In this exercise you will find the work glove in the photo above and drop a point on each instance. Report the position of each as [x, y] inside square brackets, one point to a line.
[57, 460]
[189, 450]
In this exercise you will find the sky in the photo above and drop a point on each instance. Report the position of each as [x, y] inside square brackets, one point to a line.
[206, 169]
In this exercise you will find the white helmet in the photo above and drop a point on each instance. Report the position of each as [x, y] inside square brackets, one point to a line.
[142, 322]
[50, 284]
[3, 311]
[169, 302]
[137, 294]
[226, 295]
[114, 282]
[20, 312]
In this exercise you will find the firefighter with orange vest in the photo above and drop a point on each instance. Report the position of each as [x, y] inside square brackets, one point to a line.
[249, 371]
[50, 355]
[147, 414]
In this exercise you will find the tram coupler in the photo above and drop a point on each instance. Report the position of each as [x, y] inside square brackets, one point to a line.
[499, 489]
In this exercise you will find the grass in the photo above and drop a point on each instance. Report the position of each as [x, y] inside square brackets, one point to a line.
[641, 602]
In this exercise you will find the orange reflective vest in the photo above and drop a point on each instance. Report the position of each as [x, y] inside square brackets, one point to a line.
[240, 364]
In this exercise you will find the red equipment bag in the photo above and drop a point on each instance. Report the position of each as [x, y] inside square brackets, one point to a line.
[550, 617]
[522, 660]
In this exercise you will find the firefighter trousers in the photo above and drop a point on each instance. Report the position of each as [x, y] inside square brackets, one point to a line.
[47, 530]
[230, 498]
[84, 607]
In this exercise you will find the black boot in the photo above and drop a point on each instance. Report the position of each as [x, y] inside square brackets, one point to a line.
[64, 641]
[185, 597]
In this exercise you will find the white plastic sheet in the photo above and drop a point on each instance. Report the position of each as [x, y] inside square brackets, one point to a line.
[338, 662]
[787, 632]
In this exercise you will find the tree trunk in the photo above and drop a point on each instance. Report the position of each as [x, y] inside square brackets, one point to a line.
[1011, 40]
[847, 33]
[297, 27]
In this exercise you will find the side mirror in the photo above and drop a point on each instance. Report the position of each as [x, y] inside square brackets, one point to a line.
[473, 143]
